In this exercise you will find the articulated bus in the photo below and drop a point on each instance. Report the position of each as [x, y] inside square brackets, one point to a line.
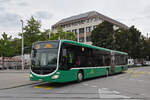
[65, 61]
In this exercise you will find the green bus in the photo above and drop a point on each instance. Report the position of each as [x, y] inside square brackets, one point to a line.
[65, 61]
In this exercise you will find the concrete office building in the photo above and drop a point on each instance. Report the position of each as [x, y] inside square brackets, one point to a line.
[82, 25]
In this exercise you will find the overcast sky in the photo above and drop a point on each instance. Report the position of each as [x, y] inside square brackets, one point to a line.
[129, 12]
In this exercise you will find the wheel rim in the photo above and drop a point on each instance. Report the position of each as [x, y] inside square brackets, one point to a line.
[107, 73]
[80, 76]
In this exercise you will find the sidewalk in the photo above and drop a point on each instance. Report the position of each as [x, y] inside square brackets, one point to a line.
[14, 78]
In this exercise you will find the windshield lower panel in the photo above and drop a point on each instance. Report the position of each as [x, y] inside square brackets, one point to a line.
[44, 61]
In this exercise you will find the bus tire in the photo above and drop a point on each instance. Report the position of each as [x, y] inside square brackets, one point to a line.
[80, 76]
[107, 72]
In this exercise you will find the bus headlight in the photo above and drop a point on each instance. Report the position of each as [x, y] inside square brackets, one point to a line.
[55, 76]
[30, 75]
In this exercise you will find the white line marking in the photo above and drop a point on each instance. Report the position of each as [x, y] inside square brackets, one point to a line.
[99, 92]
[85, 84]
[94, 86]
[106, 93]
[116, 92]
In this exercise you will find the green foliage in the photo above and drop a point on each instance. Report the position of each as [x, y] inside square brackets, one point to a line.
[6, 45]
[17, 45]
[31, 34]
[121, 40]
[62, 35]
[146, 48]
[44, 35]
[130, 41]
[126, 40]
[103, 35]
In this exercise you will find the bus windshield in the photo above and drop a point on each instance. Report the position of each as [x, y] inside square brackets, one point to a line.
[44, 58]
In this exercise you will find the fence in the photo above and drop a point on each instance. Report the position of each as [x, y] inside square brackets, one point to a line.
[13, 63]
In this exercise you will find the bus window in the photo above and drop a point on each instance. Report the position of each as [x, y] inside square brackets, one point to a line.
[67, 56]
[64, 52]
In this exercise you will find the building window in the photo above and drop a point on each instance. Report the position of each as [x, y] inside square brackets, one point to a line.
[88, 38]
[90, 20]
[74, 24]
[87, 20]
[88, 29]
[74, 31]
[68, 25]
[68, 31]
[81, 39]
[81, 30]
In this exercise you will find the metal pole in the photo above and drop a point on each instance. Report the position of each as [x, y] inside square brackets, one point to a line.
[78, 35]
[85, 35]
[22, 46]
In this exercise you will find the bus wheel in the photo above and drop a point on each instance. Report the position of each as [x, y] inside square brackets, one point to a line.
[107, 72]
[80, 76]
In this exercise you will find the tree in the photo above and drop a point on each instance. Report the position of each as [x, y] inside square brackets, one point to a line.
[5, 45]
[62, 35]
[130, 41]
[16, 44]
[121, 40]
[126, 40]
[32, 33]
[103, 35]
[135, 42]
[44, 35]
[146, 48]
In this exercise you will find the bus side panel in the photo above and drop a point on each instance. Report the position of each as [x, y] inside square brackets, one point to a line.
[125, 67]
[94, 72]
[67, 75]
[64, 76]
[118, 69]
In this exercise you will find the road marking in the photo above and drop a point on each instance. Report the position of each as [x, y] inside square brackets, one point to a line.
[85, 84]
[135, 75]
[129, 71]
[106, 93]
[142, 72]
[136, 72]
[94, 86]
[43, 87]
[148, 73]
[116, 92]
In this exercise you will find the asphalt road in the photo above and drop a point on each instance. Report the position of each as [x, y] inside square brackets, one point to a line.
[133, 84]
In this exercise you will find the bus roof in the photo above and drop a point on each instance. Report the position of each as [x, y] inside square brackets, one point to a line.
[85, 45]
[95, 47]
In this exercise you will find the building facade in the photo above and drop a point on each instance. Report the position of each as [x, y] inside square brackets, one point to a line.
[83, 24]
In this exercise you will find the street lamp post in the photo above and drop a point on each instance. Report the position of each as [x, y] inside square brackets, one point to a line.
[22, 46]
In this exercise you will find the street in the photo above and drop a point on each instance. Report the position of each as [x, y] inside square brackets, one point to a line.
[133, 84]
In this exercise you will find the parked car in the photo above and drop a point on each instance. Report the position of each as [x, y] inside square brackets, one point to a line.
[146, 63]
[138, 65]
